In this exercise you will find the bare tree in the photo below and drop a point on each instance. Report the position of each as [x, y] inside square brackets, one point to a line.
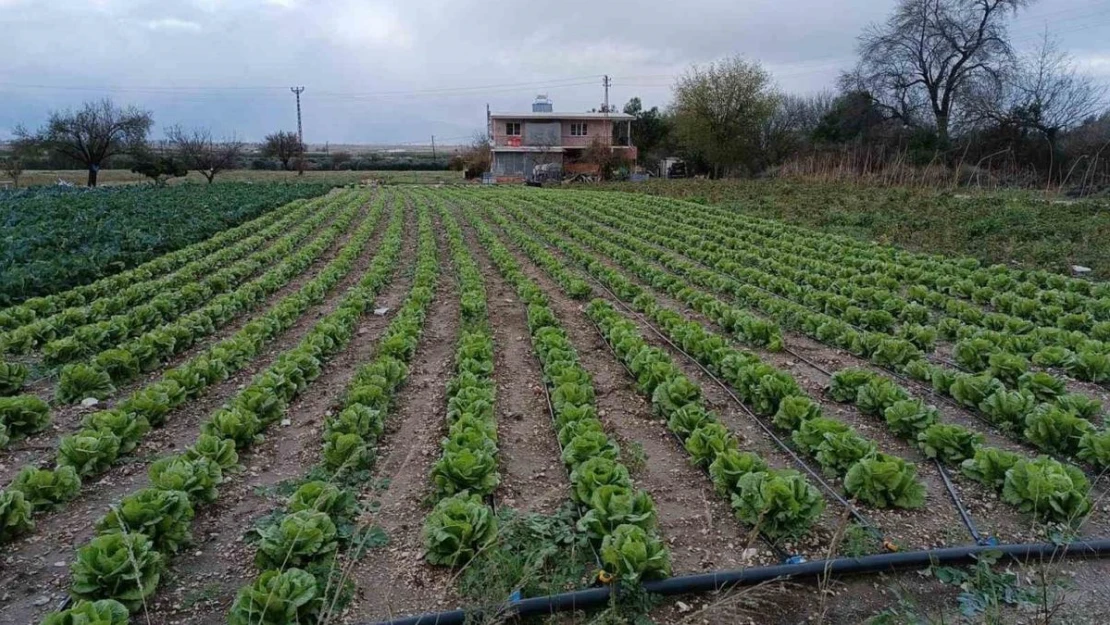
[13, 168]
[200, 152]
[93, 134]
[339, 159]
[922, 61]
[282, 145]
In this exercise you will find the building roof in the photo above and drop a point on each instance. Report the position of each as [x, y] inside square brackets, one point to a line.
[557, 115]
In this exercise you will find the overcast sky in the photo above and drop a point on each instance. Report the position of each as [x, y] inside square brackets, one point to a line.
[394, 71]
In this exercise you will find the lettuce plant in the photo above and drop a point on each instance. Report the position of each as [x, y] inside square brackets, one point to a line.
[730, 465]
[12, 376]
[357, 419]
[989, 466]
[594, 473]
[610, 506]
[15, 514]
[129, 427]
[198, 478]
[589, 445]
[780, 503]
[674, 394]
[1043, 386]
[1080, 405]
[971, 390]
[220, 451]
[841, 450]
[77, 382]
[908, 418]
[845, 384]
[277, 598]
[1008, 367]
[878, 394]
[23, 415]
[45, 489]
[89, 451]
[337, 503]
[632, 554]
[949, 442]
[234, 424]
[1094, 447]
[102, 612]
[1052, 356]
[885, 481]
[457, 528]
[794, 410]
[1055, 430]
[1008, 409]
[300, 539]
[468, 470]
[164, 516]
[123, 567]
[1048, 489]
[689, 418]
[346, 452]
[813, 433]
[709, 440]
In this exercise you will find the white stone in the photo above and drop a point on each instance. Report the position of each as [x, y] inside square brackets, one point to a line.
[1080, 269]
[381, 311]
[682, 607]
[89, 402]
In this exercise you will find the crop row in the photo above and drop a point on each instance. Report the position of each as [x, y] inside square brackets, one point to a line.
[126, 559]
[619, 519]
[297, 550]
[99, 376]
[110, 434]
[1043, 414]
[25, 337]
[832, 443]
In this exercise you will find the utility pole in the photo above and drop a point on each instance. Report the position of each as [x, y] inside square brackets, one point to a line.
[300, 132]
[433, 148]
[606, 82]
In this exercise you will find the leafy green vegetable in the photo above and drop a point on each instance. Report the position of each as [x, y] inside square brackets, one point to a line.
[674, 394]
[885, 481]
[299, 539]
[89, 451]
[45, 489]
[989, 466]
[972, 390]
[12, 375]
[841, 450]
[631, 554]
[129, 427]
[1094, 447]
[1048, 489]
[709, 440]
[123, 567]
[812, 433]
[878, 394]
[472, 470]
[689, 418]
[79, 381]
[457, 528]
[730, 465]
[795, 410]
[198, 478]
[277, 598]
[845, 384]
[15, 514]
[589, 445]
[950, 443]
[910, 417]
[610, 506]
[346, 452]
[103, 612]
[1043, 386]
[1008, 409]
[780, 503]
[164, 516]
[220, 451]
[1055, 430]
[24, 415]
[233, 424]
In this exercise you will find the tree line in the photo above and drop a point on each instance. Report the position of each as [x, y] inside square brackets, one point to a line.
[938, 84]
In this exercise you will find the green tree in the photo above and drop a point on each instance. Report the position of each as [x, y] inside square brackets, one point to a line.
[720, 111]
[650, 129]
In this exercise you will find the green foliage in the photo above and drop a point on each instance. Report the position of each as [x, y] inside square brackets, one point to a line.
[709, 440]
[457, 528]
[337, 503]
[45, 489]
[12, 376]
[123, 567]
[198, 478]
[673, 394]
[845, 384]
[79, 381]
[1048, 489]
[15, 514]
[841, 450]
[950, 443]
[241, 427]
[594, 473]
[794, 410]
[103, 612]
[989, 466]
[346, 452]
[610, 506]
[1008, 409]
[1043, 386]
[164, 516]
[1008, 367]
[730, 465]
[89, 451]
[23, 415]
[878, 394]
[972, 390]
[472, 470]
[129, 427]
[285, 597]
[780, 503]
[589, 445]
[221, 452]
[1055, 430]
[689, 418]
[632, 554]
[299, 539]
[1080, 405]
[1094, 447]
[885, 481]
[812, 433]
[910, 417]
[1090, 365]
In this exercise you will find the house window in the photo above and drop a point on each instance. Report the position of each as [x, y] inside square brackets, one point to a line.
[512, 129]
[578, 129]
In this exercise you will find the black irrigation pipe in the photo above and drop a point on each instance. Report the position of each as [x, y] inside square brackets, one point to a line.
[725, 580]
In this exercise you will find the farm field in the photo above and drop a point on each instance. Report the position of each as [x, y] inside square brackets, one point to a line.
[381, 402]
[1020, 228]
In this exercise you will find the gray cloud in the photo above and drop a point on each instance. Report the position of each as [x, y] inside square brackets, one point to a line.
[397, 71]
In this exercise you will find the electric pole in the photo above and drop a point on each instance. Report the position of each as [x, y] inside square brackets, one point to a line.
[606, 82]
[300, 132]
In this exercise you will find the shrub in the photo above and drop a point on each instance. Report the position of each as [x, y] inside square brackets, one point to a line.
[124, 567]
[80, 381]
[631, 554]
[164, 516]
[44, 489]
[780, 503]
[277, 598]
[884, 481]
[457, 528]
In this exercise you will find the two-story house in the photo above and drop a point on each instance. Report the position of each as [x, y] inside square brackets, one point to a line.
[520, 141]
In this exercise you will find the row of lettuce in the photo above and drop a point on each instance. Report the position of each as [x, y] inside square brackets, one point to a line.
[835, 446]
[126, 559]
[108, 436]
[1034, 407]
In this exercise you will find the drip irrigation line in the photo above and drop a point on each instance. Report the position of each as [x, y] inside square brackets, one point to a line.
[724, 580]
[763, 426]
[964, 515]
